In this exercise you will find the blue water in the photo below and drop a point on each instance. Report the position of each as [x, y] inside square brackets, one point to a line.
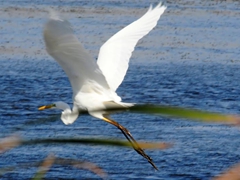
[190, 59]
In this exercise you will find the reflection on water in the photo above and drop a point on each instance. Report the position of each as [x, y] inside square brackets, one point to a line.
[191, 59]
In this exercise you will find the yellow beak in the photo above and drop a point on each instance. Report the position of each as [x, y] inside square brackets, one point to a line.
[46, 107]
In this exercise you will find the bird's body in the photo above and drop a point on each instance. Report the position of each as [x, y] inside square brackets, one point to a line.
[94, 83]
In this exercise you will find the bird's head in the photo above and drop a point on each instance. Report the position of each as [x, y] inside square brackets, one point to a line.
[56, 105]
[68, 116]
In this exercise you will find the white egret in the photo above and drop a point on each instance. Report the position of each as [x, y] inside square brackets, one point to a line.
[94, 84]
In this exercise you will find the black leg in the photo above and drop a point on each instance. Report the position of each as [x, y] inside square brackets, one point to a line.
[130, 138]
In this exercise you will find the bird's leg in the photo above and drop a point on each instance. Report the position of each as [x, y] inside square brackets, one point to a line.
[125, 131]
[130, 138]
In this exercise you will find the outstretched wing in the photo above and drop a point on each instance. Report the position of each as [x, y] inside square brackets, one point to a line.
[64, 47]
[114, 55]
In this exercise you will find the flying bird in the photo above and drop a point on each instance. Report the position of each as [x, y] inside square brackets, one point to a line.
[94, 84]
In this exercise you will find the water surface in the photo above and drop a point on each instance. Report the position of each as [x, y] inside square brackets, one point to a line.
[190, 59]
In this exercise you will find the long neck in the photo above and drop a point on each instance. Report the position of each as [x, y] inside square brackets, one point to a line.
[69, 116]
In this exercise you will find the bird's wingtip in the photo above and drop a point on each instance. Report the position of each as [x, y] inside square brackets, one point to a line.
[54, 15]
[160, 5]
[150, 7]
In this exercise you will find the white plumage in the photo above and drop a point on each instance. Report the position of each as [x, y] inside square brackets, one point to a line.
[94, 84]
